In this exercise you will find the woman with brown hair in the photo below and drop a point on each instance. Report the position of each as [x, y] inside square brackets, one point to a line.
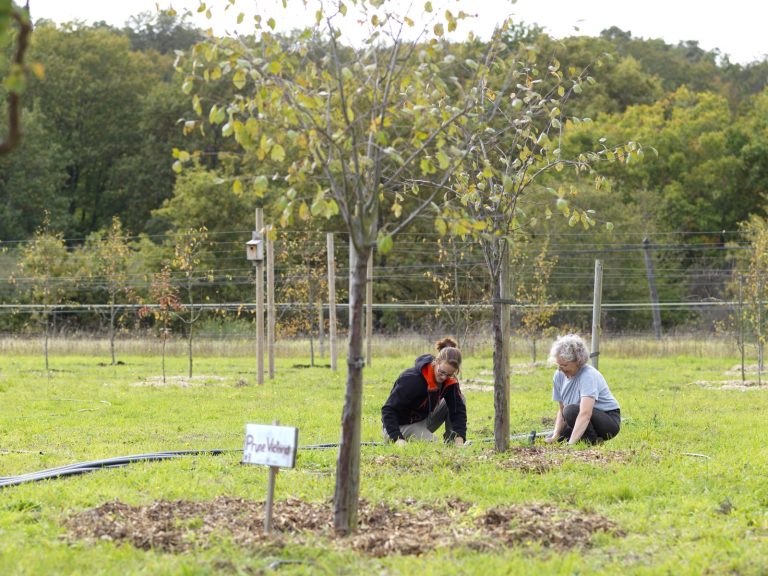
[426, 396]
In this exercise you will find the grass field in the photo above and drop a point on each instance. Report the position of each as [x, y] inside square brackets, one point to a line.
[683, 489]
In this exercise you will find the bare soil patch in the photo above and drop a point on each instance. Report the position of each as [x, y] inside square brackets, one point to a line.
[539, 459]
[180, 381]
[740, 385]
[410, 529]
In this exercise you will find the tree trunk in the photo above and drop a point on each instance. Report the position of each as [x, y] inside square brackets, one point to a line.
[112, 331]
[500, 377]
[47, 330]
[189, 343]
[346, 496]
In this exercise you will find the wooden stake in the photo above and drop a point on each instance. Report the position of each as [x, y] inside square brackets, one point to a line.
[260, 303]
[271, 302]
[331, 300]
[596, 307]
[270, 493]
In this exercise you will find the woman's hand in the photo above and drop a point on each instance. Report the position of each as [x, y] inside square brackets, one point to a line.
[459, 441]
[550, 439]
[400, 442]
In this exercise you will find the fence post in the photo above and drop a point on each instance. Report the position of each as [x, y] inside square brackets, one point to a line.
[597, 303]
[271, 301]
[331, 299]
[652, 287]
[260, 304]
[369, 309]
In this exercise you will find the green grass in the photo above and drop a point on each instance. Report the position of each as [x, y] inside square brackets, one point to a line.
[691, 496]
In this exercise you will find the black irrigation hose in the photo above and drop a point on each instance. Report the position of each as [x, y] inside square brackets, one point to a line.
[84, 467]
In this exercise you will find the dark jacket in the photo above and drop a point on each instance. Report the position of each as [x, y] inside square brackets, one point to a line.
[412, 399]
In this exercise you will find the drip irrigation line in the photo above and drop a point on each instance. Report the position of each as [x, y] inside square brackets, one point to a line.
[120, 461]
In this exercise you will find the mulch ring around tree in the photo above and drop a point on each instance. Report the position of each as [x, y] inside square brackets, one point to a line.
[409, 529]
[538, 459]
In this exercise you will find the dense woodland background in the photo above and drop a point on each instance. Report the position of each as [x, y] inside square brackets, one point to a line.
[94, 205]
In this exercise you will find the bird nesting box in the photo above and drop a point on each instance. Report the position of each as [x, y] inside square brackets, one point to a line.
[254, 248]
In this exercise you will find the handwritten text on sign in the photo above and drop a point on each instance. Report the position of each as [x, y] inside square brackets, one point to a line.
[270, 445]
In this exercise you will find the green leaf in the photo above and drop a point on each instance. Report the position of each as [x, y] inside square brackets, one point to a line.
[384, 243]
[260, 185]
[271, 23]
[438, 29]
[443, 160]
[428, 7]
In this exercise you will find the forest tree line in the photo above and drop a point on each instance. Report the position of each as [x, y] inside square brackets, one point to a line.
[108, 126]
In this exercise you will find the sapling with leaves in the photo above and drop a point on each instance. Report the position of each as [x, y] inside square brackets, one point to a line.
[349, 129]
[508, 143]
[188, 250]
[460, 293]
[751, 286]
[105, 257]
[531, 287]
[43, 269]
[166, 304]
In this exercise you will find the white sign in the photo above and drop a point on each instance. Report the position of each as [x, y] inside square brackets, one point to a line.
[270, 445]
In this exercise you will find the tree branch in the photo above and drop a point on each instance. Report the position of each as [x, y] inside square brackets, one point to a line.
[21, 17]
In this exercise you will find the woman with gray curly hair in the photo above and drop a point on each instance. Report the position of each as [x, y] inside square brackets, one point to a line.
[588, 411]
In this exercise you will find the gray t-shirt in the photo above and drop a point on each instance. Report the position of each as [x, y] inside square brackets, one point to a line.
[587, 382]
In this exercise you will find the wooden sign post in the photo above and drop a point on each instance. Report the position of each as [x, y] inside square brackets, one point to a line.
[274, 446]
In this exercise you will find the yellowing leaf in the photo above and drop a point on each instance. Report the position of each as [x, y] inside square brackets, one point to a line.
[304, 211]
[271, 23]
[439, 30]
[428, 7]
[239, 78]
[278, 153]
[237, 187]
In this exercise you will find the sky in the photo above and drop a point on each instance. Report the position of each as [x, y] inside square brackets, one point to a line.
[736, 28]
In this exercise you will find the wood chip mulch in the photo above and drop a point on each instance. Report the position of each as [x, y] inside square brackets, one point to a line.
[411, 528]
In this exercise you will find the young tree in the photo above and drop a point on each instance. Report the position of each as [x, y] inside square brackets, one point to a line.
[532, 290]
[348, 129]
[165, 296]
[508, 143]
[754, 270]
[188, 250]
[457, 279]
[43, 264]
[110, 256]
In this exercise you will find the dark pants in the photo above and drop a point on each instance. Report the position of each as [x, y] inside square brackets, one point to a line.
[602, 425]
[424, 429]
